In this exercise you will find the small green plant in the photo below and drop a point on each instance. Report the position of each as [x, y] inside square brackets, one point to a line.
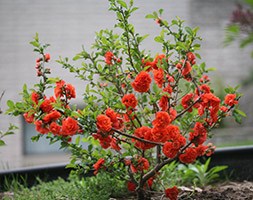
[103, 186]
[200, 174]
[240, 29]
[10, 129]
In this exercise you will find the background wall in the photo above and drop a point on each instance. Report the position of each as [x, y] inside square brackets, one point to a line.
[67, 25]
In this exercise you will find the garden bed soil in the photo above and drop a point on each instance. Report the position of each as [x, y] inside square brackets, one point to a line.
[223, 191]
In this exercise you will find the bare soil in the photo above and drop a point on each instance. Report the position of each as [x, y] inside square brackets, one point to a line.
[221, 191]
[224, 191]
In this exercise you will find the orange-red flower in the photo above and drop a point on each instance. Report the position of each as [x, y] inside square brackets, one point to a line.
[162, 119]
[168, 89]
[212, 103]
[140, 165]
[104, 123]
[58, 90]
[159, 77]
[114, 145]
[169, 150]
[35, 97]
[148, 65]
[54, 115]
[129, 100]
[41, 127]
[164, 103]
[199, 134]
[69, 126]
[142, 82]
[47, 57]
[230, 99]
[172, 193]
[189, 155]
[131, 186]
[201, 149]
[98, 165]
[170, 78]
[111, 114]
[224, 108]
[204, 79]
[109, 57]
[159, 60]
[159, 134]
[63, 89]
[191, 57]
[116, 119]
[29, 118]
[47, 105]
[204, 89]
[105, 141]
[70, 91]
[173, 132]
[186, 69]
[55, 128]
[143, 132]
[187, 100]
[173, 114]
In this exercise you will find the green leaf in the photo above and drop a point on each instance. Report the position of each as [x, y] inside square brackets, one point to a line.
[250, 2]
[2, 143]
[245, 42]
[122, 3]
[203, 67]
[53, 80]
[174, 22]
[160, 11]
[159, 39]
[229, 90]
[90, 147]
[150, 16]
[77, 57]
[232, 32]
[77, 139]
[188, 30]
[35, 44]
[70, 165]
[196, 46]
[134, 9]
[36, 138]
[240, 112]
[197, 55]
[237, 117]
[211, 69]
[10, 104]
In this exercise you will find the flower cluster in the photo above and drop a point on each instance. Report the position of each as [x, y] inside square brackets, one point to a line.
[42, 113]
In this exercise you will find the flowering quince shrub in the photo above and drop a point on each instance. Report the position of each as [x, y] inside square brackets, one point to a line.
[140, 111]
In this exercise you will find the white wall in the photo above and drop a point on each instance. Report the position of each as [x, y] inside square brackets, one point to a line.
[67, 25]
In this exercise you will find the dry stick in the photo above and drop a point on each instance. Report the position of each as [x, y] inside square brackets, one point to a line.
[128, 40]
[132, 176]
[160, 165]
[138, 149]
[137, 138]
[188, 108]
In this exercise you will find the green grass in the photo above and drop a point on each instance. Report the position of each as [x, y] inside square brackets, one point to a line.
[102, 187]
